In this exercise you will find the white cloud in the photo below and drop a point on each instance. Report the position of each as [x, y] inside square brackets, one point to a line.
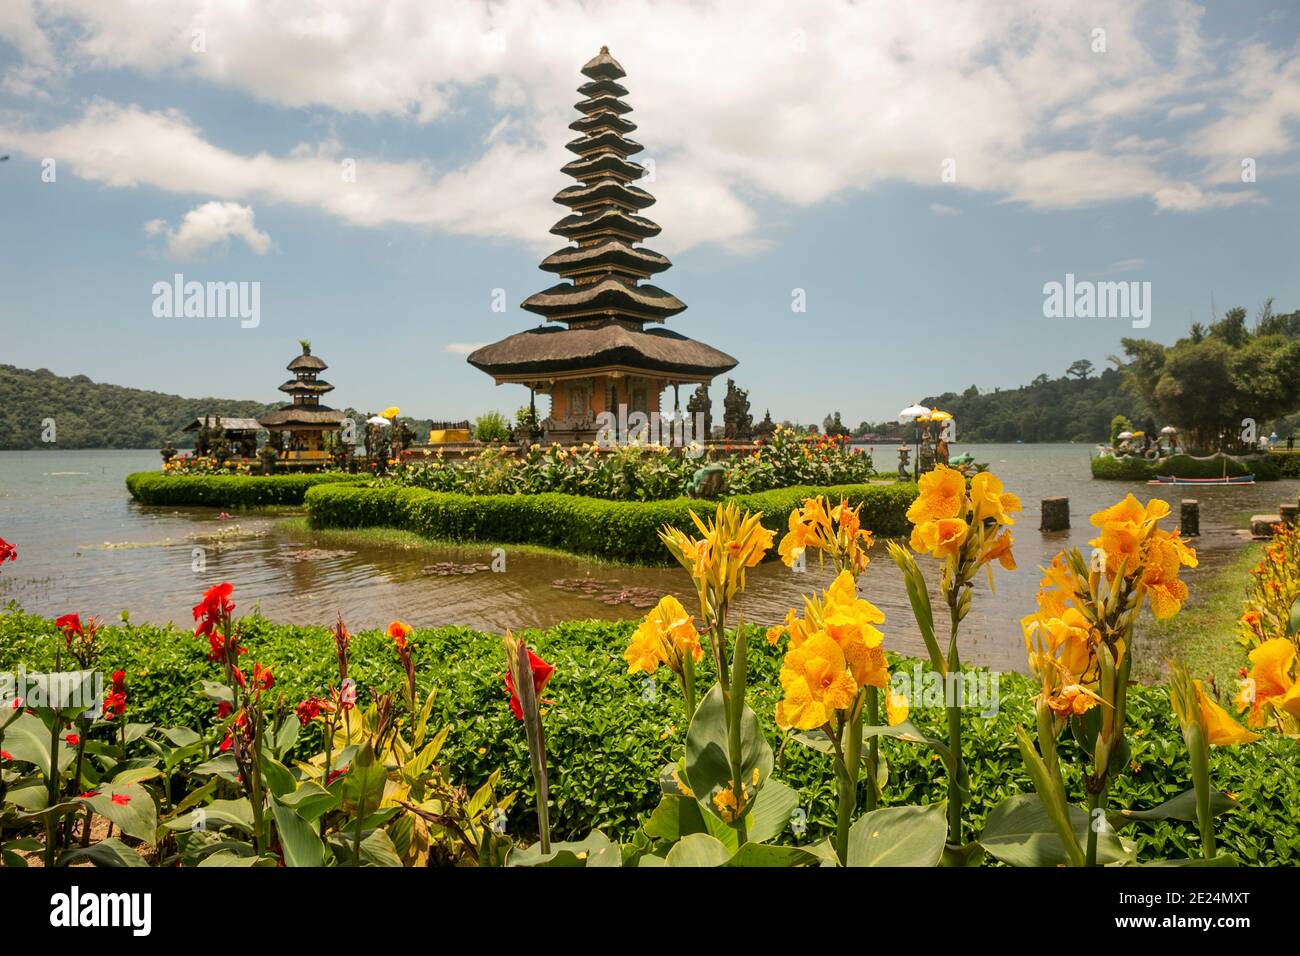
[208, 225]
[737, 102]
[1124, 265]
[939, 209]
[462, 348]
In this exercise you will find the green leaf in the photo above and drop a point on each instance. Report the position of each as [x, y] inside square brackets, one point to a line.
[919, 596]
[277, 777]
[28, 739]
[708, 768]
[181, 736]
[236, 813]
[136, 775]
[1020, 833]
[1181, 807]
[363, 784]
[596, 850]
[770, 813]
[698, 849]
[378, 850]
[310, 801]
[899, 836]
[287, 736]
[129, 807]
[110, 852]
[301, 845]
[766, 855]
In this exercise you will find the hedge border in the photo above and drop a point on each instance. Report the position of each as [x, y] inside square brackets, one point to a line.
[624, 531]
[228, 491]
[1108, 468]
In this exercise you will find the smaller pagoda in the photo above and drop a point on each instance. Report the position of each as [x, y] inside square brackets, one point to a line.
[301, 426]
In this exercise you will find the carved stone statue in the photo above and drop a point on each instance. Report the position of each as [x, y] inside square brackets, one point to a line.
[708, 482]
[738, 424]
[700, 403]
[766, 428]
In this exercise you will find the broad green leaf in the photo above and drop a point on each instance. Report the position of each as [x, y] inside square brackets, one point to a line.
[698, 849]
[181, 736]
[1181, 807]
[310, 801]
[1020, 833]
[363, 784]
[236, 813]
[287, 736]
[595, 850]
[136, 775]
[708, 767]
[301, 845]
[899, 836]
[378, 850]
[129, 807]
[277, 777]
[771, 810]
[766, 855]
[110, 852]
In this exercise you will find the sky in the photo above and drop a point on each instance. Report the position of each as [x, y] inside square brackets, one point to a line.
[863, 202]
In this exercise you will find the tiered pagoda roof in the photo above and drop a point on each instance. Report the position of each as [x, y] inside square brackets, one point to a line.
[602, 310]
[306, 390]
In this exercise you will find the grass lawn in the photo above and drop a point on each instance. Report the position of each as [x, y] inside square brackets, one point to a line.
[1204, 635]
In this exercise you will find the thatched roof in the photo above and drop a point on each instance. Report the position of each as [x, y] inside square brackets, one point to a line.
[610, 294]
[602, 66]
[306, 362]
[612, 253]
[227, 424]
[602, 119]
[604, 139]
[605, 164]
[311, 415]
[318, 387]
[606, 222]
[596, 88]
[554, 349]
[606, 190]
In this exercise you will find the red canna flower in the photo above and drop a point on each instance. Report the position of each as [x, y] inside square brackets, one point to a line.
[115, 702]
[121, 799]
[89, 793]
[308, 710]
[214, 609]
[398, 632]
[223, 709]
[7, 551]
[542, 672]
[335, 774]
[6, 755]
[226, 744]
[70, 625]
[263, 679]
[72, 740]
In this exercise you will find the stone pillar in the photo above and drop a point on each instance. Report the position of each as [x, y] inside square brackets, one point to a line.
[1288, 514]
[1189, 522]
[1056, 514]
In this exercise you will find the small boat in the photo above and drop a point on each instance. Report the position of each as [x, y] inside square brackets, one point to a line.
[1171, 480]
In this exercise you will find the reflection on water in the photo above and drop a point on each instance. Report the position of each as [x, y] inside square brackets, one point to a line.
[85, 546]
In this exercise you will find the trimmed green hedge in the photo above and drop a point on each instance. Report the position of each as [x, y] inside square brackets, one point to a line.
[228, 491]
[616, 530]
[607, 739]
[1184, 466]
[1288, 463]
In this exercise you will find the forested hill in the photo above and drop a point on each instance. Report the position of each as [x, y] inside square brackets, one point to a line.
[1076, 407]
[88, 414]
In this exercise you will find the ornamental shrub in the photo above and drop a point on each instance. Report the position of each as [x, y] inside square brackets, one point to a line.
[228, 491]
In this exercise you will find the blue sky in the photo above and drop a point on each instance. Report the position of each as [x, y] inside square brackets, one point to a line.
[796, 147]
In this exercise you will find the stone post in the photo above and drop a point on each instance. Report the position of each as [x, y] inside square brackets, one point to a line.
[1288, 514]
[1189, 521]
[1056, 514]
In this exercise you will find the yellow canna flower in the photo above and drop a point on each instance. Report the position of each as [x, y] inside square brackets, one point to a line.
[989, 500]
[665, 636]
[816, 684]
[942, 495]
[897, 707]
[1220, 728]
[942, 538]
[999, 549]
[1269, 681]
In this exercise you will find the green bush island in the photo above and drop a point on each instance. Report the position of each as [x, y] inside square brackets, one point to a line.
[228, 491]
[610, 733]
[1264, 468]
[626, 531]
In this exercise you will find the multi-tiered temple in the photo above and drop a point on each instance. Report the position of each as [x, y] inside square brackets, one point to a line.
[306, 420]
[603, 345]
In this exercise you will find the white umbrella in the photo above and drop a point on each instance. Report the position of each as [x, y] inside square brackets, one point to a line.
[1124, 435]
[1169, 430]
[911, 413]
[380, 421]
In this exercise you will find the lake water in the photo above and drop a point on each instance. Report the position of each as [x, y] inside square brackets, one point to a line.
[85, 546]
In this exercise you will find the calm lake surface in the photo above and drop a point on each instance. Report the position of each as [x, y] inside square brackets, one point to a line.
[85, 546]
